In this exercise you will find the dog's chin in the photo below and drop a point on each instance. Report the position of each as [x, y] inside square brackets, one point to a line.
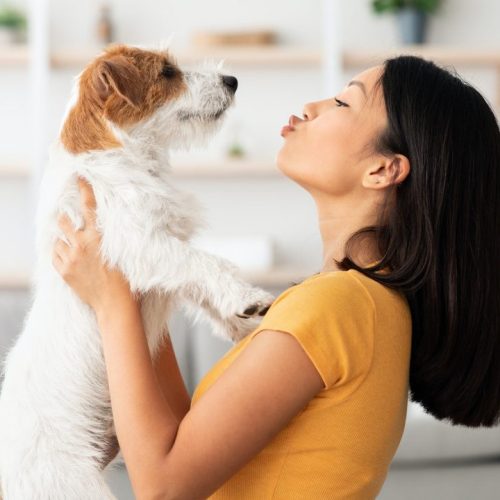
[185, 116]
[195, 130]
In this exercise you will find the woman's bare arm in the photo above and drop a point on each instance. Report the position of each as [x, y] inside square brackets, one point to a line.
[170, 379]
[269, 383]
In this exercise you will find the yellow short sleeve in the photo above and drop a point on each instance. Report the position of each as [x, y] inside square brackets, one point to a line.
[332, 316]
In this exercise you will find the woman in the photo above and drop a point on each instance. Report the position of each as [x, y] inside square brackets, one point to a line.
[403, 167]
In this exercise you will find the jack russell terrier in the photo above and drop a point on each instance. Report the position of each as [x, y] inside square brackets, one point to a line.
[130, 108]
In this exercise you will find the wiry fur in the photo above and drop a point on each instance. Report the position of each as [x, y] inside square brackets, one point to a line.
[56, 428]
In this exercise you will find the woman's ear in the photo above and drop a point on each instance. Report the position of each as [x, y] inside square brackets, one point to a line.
[398, 169]
[401, 169]
[388, 171]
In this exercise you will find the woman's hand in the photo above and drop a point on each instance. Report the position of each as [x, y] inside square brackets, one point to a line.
[80, 263]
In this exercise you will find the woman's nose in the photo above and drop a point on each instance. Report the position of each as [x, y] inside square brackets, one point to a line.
[309, 111]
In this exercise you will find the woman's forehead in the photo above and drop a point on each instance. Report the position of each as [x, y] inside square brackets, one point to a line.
[369, 77]
[366, 81]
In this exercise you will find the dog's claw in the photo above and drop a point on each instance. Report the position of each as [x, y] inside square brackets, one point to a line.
[258, 309]
[249, 311]
[263, 311]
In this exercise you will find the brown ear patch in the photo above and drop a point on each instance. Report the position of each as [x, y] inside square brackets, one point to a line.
[118, 75]
[85, 130]
[125, 85]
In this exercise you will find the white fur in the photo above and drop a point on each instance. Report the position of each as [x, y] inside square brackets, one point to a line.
[55, 413]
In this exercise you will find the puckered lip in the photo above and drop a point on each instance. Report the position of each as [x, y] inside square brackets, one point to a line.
[292, 122]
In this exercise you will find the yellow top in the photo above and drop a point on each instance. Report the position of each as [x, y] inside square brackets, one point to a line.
[357, 333]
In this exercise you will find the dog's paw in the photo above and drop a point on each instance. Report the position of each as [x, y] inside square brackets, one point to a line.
[236, 328]
[256, 303]
[247, 307]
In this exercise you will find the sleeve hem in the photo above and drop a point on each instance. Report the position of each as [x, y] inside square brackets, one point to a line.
[308, 354]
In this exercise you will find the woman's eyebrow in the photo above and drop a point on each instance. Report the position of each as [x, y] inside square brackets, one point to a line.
[361, 85]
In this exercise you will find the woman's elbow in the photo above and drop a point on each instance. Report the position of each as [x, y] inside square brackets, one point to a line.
[170, 489]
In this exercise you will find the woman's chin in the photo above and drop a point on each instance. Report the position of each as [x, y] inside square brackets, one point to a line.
[282, 164]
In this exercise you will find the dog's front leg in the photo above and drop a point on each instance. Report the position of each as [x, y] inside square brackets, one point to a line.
[174, 267]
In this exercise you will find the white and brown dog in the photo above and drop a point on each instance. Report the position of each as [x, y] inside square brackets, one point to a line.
[131, 107]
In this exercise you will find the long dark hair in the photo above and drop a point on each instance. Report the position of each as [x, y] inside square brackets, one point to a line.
[441, 239]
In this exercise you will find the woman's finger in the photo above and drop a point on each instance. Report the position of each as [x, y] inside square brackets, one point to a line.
[87, 201]
[66, 226]
[61, 249]
[57, 260]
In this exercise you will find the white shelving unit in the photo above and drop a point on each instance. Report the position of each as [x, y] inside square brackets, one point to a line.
[330, 58]
[40, 60]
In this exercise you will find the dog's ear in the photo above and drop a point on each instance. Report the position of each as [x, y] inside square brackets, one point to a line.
[118, 75]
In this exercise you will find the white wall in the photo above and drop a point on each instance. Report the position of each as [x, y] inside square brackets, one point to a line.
[265, 99]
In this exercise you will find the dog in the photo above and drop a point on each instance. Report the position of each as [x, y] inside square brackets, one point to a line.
[131, 106]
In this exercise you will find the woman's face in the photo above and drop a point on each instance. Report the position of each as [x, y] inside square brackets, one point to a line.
[328, 150]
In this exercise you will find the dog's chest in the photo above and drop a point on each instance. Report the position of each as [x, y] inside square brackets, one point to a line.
[155, 309]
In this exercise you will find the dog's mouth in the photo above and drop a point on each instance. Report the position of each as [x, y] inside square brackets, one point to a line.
[205, 117]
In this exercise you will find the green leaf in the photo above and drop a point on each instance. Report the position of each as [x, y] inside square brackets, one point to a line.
[381, 6]
[12, 18]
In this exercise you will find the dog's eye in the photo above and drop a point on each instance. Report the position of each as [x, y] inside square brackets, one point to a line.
[168, 71]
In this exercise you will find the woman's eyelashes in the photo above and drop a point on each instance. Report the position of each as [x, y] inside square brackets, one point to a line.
[340, 103]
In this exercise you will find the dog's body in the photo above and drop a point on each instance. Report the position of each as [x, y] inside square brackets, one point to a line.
[56, 427]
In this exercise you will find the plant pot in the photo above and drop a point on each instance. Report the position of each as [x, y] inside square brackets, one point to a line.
[10, 36]
[412, 23]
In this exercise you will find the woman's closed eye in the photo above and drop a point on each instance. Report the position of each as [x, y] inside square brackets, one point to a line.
[340, 103]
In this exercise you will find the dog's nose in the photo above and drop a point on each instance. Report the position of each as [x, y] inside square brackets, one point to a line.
[231, 82]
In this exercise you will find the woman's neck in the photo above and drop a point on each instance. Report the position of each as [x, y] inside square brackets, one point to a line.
[335, 231]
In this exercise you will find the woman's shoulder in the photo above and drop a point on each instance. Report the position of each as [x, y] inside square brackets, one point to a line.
[335, 282]
[328, 291]
[349, 289]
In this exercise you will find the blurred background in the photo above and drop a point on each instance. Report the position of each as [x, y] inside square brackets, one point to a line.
[284, 54]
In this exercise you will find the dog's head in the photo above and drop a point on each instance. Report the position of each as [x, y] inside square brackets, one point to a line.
[129, 92]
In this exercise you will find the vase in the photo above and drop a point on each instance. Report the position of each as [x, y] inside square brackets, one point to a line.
[10, 36]
[412, 23]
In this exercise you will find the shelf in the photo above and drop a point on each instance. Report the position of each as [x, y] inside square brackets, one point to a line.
[279, 277]
[276, 55]
[14, 171]
[14, 55]
[272, 56]
[225, 168]
[15, 281]
[216, 169]
[442, 54]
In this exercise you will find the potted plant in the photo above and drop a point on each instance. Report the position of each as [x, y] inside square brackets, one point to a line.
[411, 14]
[12, 25]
